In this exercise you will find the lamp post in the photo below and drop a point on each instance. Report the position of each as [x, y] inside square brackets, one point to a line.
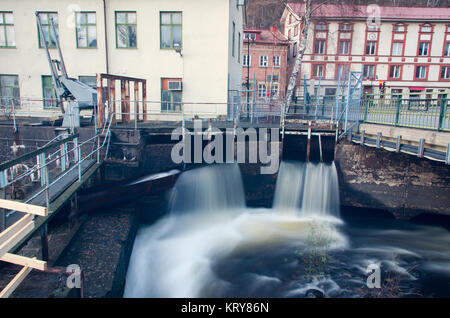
[248, 72]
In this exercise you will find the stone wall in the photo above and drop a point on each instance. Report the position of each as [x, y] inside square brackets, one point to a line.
[400, 183]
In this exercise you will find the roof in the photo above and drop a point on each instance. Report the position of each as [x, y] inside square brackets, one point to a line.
[267, 36]
[387, 13]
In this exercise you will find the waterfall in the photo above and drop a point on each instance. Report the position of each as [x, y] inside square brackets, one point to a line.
[307, 189]
[209, 189]
[208, 222]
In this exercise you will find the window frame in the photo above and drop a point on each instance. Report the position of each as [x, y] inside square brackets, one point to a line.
[266, 58]
[426, 72]
[374, 48]
[126, 24]
[374, 67]
[428, 43]
[448, 72]
[248, 58]
[50, 46]
[313, 68]
[400, 70]
[5, 25]
[86, 26]
[259, 90]
[172, 93]
[55, 100]
[277, 59]
[11, 89]
[349, 44]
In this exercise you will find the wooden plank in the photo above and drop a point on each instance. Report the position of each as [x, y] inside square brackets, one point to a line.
[15, 238]
[23, 207]
[11, 287]
[24, 261]
[10, 231]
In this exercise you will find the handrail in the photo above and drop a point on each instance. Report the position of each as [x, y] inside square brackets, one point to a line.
[13, 162]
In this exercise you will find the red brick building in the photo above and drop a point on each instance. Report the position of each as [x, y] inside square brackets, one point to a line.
[265, 67]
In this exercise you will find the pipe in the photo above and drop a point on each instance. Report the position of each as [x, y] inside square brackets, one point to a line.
[106, 37]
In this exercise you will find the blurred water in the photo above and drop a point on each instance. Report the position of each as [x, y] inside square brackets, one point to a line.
[212, 245]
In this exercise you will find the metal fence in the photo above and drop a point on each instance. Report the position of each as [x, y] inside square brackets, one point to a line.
[416, 111]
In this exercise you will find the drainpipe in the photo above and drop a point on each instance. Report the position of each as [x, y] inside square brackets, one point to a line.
[106, 37]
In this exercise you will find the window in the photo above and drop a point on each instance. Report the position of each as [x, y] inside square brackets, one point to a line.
[372, 27]
[421, 72]
[318, 70]
[126, 29]
[170, 99]
[424, 48]
[399, 28]
[275, 78]
[321, 26]
[371, 47]
[246, 60]
[296, 30]
[397, 48]
[7, 36]
[86, 29]
[48, 92]
[395, 71]
[448, 29]
[344, 47]
[289, 34]
[294, 50]
[425, 28]
[276, 60]
[9, 89]
[445, 72]
[338, 69]
[274, 89]
[346, 27]
[88, 80]
[369, 71]
[263, 61]
[46, 17]
[447, 49]
[233, 39]
[319, 47]
[261, 90]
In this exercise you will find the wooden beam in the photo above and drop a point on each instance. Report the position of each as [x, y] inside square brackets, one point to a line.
[11, 287]
[15, 238]
[100, 115]
[23, 207]
[10, 231]
[24, 261]
[136, 99]
[144, 99]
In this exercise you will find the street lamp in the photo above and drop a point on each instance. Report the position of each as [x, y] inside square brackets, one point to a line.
[248, 71]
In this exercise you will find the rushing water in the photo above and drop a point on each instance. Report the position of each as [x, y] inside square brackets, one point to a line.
[212, 245]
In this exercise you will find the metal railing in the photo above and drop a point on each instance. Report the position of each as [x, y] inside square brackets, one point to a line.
[41, 169]
[415, 111]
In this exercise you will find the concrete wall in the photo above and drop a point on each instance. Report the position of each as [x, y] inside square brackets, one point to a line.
[204, 67]
[400, 183]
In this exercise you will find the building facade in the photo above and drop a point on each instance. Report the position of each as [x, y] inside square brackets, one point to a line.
[264, 64]
[134, 38]
[407, 50]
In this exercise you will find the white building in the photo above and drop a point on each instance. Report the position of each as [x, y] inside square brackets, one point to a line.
[134, 38]
[409, 50]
